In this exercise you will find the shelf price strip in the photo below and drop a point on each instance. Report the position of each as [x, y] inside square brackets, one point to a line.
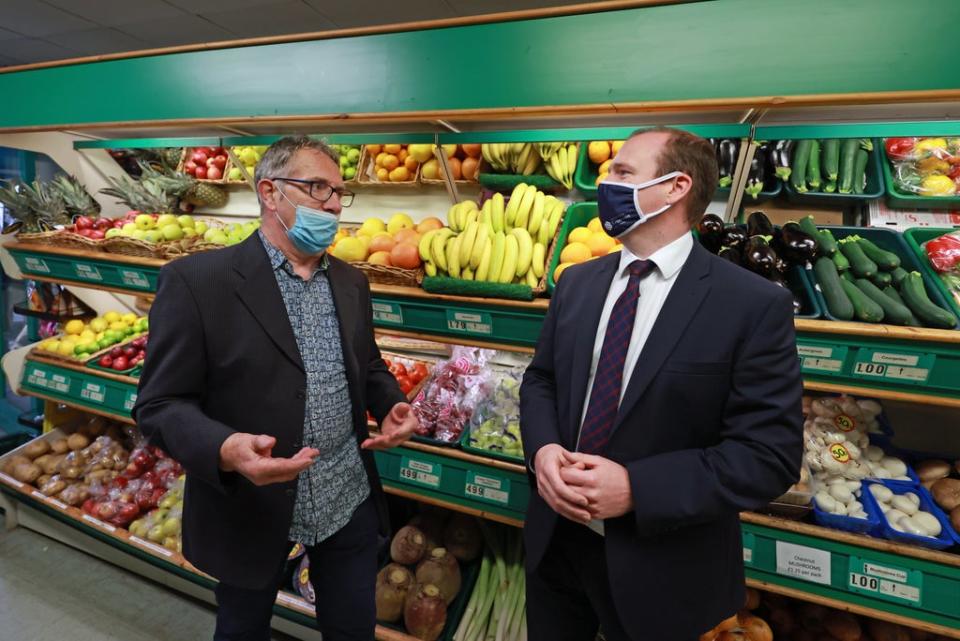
[803, 562]
[56, 382]
[480, 323]
[387, 313]
[821, 360]
[886, 582]
[134, 278]
[36, 265]
[93, 392]
[87, 272]
[897, 366]
[749, 545]
[420, 472]
[487, 488]
[130, 400]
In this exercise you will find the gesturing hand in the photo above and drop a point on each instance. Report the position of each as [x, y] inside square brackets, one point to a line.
[565, 500]
[397, 427]
[605, 484]
[249, 455]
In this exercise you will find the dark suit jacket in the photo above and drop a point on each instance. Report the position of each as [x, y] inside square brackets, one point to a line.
[710, 425]
[223, 359]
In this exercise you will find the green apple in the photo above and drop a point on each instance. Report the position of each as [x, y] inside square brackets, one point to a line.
[138, 234]
[248, 156]
[234, 174]
[144, 222]
[201, 228]
[186, 221]
[156, 533]
[189, 232]
[349, 173]
[113, 232]
[354, 155]
[153, 236]
[166, 219]
[218, 237]
[208, 234]
[251, 169]
[172, 231]
[129, 227]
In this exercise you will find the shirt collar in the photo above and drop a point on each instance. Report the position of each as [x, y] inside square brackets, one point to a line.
[279, 261]
[668, 259]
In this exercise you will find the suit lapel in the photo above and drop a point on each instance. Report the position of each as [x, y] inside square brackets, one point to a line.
[345, 298]
[258, 290]
[685, 297]
[590, 309]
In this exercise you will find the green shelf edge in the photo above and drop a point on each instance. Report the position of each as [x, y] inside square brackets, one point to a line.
[878, 129]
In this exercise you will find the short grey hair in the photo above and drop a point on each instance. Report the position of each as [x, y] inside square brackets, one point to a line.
[276, 159]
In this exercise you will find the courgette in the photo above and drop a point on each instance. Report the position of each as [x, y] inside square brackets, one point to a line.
[893, 311]
[885, 260]
[898, 275]
[831, 159]
[828, 279]
[830, 187]
[882, 279]
[848, 276]
[892, 292]
[801, 157]
[860, 171]
[864, 308]
[859, 263]
[828, 242]
[813, 166]
[843, 265]
[848, 157]
[915, 296]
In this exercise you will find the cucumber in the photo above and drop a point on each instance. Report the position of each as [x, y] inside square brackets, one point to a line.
[915, 296]
[885, 260]
[893, 312]
[848, 157]
[801, 157]
[831, 159]
[828, 241]
[893, 294]
[859, 263]
[898, 275]
[882, 279]
[848, 276]
[864, 308]
[828, 278]
[813, 166]
[860, 171]
[843, 265]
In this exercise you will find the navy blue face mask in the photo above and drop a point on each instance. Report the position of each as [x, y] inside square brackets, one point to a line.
[619, 205]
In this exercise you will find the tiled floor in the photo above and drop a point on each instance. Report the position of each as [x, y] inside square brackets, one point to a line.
[51, 592]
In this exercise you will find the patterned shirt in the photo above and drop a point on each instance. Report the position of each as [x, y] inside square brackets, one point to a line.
[329, 491]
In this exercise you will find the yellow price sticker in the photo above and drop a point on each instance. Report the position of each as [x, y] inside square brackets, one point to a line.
[844, 423]
[839, 453]
[304, 576]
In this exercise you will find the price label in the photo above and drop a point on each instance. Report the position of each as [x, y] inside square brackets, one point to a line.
[100, 524]
[387, 313]
[749, 544]
[93, 392]
[87, 272]
[41, 378]
[802, 562]
[9, 480]
[469, 323]
[896, 366]
[817, 359]
[487, 488]
[151, 546]
[289, 599]
[130, 400]
[59, 504]
[38, 265]
[420, 472]
[886, 582]
[134, 278]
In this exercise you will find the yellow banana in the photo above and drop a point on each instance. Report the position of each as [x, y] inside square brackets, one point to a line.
[532, 280]
[561, 165]
[466, 245]
[526, 205]
[438, 249]
[497, 212]
[509, 269]
[539, 262]
[497, 250]
[453, 256]
[524, 250]
[483, 268]
[533, 162]
[452, 216]
[429, 268]
[467, 274]
[571, 164]
[555, 216]
[424, 245]
[543, 234]
[483, 237]
[510, 216]
[536, 215]
[523, 157]
[486, 213]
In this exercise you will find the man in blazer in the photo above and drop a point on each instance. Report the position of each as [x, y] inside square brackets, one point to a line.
[261, 370]
[663, 399]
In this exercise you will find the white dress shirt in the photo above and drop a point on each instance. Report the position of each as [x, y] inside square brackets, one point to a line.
[653, 293]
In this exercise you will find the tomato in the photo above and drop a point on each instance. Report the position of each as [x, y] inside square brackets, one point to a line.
[399, 370]
[419, 372]
[900, 148]
[388, 363]
[405, 384]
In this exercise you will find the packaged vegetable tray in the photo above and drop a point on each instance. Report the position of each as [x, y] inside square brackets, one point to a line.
[817, 166]
[945, 274]
[922, 173]
[946, 538]
[867, 523]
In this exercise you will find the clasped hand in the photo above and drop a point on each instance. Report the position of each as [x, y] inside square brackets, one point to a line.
[582, 487]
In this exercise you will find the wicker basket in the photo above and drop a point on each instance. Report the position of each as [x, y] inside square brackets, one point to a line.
[200, 247]
[37, 238]
[367, 176]
[384, 275]
[133, 247]
[74, 241]
[183, 159]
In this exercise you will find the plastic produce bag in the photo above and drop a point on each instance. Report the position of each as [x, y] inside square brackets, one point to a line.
[925, 166]
[495, 425]
[835, 435]
[446, 402]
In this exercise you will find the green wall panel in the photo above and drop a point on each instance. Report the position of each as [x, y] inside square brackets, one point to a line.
[700, 50]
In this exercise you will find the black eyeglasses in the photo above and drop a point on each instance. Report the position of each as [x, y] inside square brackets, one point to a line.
[321, 191]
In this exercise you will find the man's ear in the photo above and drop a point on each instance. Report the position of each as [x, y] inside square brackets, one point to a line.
[265, 190]
[682, 185]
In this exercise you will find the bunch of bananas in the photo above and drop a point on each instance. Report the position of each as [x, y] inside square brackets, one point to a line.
[517, 158]
[498, 243]
[560, 161]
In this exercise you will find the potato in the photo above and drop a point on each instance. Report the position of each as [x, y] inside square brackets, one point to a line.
[27, 472]
[100, 476]
[75, 494]
[54, 486]
[59, 446]
[77, 442]
[14, 461]
[71, 472]
[43, 461]
[53, 463]
[946, 492]
[42, 480]
[35, 449]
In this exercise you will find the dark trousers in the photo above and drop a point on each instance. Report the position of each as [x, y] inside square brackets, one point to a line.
[568, 595]
[343, 571]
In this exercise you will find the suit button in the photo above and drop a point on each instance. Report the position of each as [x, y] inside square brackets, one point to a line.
[289, 492]
[301, 394]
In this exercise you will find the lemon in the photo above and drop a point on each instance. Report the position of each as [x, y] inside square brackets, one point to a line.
[98, 324]
[66, 348]
[73, 327]
[50, 345]
[111, 317]
[87, 335]
[129, 319]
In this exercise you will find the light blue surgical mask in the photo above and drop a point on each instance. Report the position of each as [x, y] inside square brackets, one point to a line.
[313, 230]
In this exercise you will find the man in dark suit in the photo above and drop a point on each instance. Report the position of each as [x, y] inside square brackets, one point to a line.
[262, 368]
[663, 399]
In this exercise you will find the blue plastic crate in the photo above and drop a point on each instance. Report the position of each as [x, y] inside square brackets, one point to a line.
[848, 523]
[947, 538]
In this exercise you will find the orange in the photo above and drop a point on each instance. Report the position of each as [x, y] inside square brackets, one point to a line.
[380, 258]
[579, 235]
[615, 146]
[559, 270]
[473, 151]
[469, 167]
[605, 167]
[390, 162]
[575, 253]
[454, 168]
[402, 154]
[408, 236]
[600, 178]
[428, 224]
[378, 159]
[373, 150]
[595, 225]
[392, 149]
[598, 151]
[600, 244]
[405, 256]
[382, 242]
[400, 174]
[411, 164]
[382, 174]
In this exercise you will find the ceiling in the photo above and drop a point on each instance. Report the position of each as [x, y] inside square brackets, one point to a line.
[44, 30]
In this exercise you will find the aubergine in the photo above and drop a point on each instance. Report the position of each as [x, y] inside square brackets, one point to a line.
[734, 237]
[732, 254]
[759, 257]
[780, 155]
[796, 245]
[759, 225]
[727, 151]
[710, 230]
[758, 171]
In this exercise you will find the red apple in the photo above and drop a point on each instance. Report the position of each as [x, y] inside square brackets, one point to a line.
[105, 361]
[97, 234]
[199, 157]
[102, 223]
[120, 363]
[214, 173]
[84, 222]
[116, 352]
[200, 173]
[219, 161]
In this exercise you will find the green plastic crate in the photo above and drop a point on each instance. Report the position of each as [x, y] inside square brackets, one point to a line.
[899, 200]
[893, 242]
[466, 447]
[915, 238]
[872, 191]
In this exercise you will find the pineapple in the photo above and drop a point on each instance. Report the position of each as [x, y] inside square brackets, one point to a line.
[17, 205]
[206, 195]
[188, 188]
[78, 202]
[144, 196]
[170, 157]
[44, 200]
